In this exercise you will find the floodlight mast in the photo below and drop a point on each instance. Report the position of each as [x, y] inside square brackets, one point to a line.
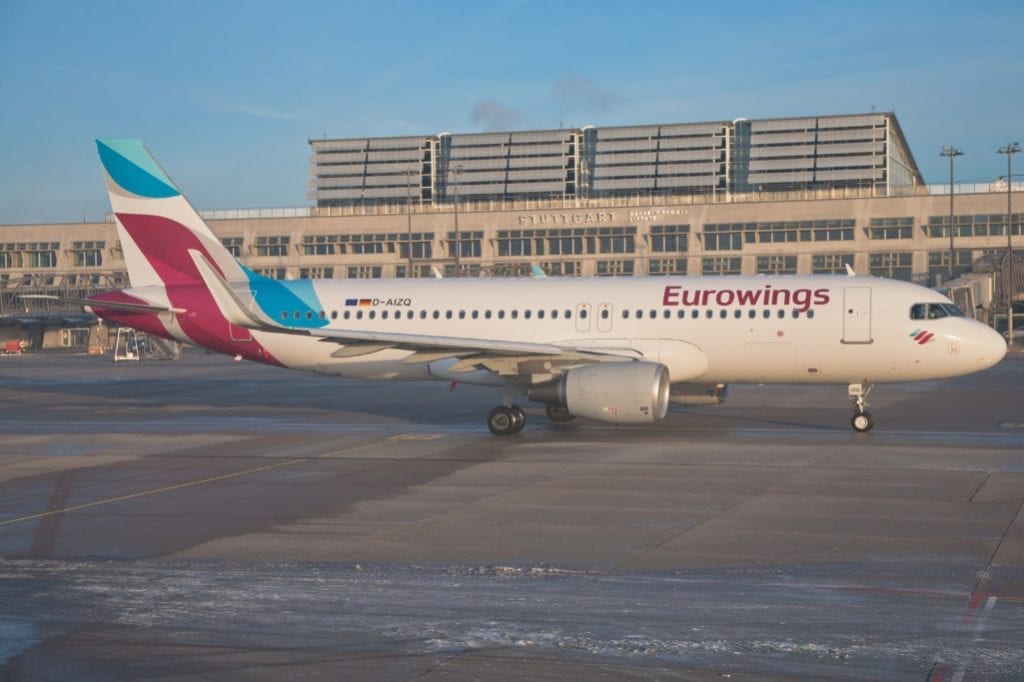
[1009, 150]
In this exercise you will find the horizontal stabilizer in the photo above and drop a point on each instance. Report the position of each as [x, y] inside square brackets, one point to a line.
[137, 305]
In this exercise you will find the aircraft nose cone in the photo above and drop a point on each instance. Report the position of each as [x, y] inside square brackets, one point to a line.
[988, 346]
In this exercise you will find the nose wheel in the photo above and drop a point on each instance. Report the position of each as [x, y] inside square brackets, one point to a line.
[505, 420]
[862, 420]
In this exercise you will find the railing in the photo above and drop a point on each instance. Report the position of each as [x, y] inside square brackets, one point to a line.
[996, 187]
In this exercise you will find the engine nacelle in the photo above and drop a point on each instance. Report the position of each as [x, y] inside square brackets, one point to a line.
[618, 393]
[698, 394]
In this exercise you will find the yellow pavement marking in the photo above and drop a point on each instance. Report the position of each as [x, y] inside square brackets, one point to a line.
[189, 484]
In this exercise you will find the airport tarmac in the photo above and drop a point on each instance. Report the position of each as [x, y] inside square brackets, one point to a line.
[207, 519]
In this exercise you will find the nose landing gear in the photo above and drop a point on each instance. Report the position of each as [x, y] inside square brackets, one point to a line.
[862, 420]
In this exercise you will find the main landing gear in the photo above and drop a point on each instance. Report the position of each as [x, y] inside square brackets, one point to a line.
[862, 420]
[506, 419]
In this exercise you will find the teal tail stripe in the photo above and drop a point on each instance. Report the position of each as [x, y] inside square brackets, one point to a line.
[130, 166]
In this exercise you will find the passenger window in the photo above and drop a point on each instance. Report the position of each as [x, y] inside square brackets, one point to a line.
[723, 313]
[527, 314]
[501, 314]
[751, 313]
[515, 313]
[334, 314]
[384, 315]
[347, 314]
[604, 314]
[462, 314]
[447, 314]
[437, 314]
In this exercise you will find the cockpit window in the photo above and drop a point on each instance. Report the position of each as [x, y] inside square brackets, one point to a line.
[933, 311]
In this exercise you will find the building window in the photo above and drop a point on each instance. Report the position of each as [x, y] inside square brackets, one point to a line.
[316, 273]
[722, 265]
[562, 268]
[607, 268]
[272, 273]
[616, 240]
[271, 246]
[319, 244]
[468, 244]
[364, 272]
[422, 244]
[669, 238]
[233, 245]
[728, 236]
[776, 265]
[666, 266]
[831, 263]
[938, 265]
[973, 225]
[891, 228]
[732, 236]
[894, 265]
[87, 254]
[30, 254]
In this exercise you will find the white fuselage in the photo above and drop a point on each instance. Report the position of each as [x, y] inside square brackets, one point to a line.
[765, 329]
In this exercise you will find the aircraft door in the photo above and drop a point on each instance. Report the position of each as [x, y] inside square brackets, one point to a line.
[857, 315]
[604, 317]
[583, 317]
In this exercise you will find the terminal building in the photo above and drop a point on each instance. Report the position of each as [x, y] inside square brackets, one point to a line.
[780, 196]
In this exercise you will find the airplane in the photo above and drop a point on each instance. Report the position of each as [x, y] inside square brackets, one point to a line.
[614, 350]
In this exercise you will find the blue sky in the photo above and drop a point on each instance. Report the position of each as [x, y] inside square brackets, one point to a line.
[226, 94]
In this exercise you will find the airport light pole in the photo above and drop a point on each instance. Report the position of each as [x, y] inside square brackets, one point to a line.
[1009, 150]
[952, 152]
[458, 242]
[408, 219]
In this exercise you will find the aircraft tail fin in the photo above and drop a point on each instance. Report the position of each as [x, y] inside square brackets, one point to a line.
[155, 222]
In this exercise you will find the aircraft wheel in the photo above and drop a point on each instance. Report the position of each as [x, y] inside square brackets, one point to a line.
[862, 422]
[502, 421]
[559, 413]
[520, 418]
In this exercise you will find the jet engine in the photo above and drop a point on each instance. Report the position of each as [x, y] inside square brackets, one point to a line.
[618, 393]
